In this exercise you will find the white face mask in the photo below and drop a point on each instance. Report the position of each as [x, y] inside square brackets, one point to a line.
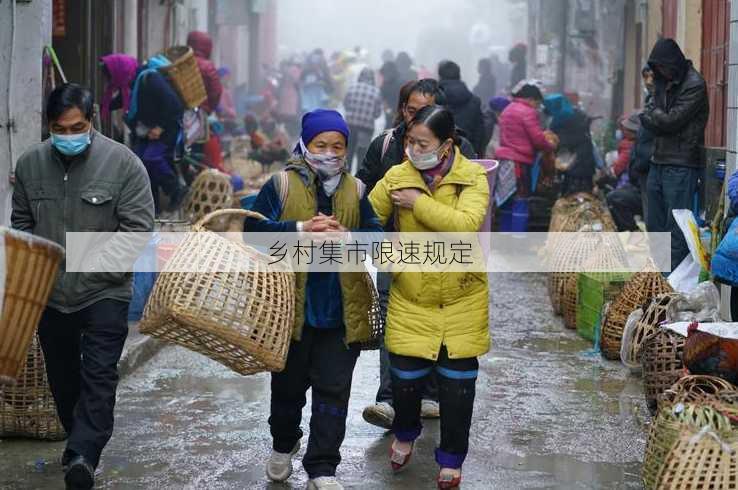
[327, 165]
[423, 161]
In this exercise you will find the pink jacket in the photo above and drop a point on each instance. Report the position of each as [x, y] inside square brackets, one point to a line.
[521, 135]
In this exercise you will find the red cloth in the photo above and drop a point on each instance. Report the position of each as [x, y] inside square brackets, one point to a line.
[624, 148]
[521, 135]
[212, 152]
[202, 45]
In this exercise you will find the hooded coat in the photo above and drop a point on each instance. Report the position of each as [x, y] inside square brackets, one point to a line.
[677, 113]
[202, 45]
[467, 110]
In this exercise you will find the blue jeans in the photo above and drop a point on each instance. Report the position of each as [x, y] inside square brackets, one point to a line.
[670, 187]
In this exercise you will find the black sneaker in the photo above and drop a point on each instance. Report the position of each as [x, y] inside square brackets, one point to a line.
[80, 474]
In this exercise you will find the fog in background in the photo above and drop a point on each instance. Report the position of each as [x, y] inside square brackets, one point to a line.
[429, 30]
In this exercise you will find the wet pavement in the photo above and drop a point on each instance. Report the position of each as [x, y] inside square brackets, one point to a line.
[548, 415]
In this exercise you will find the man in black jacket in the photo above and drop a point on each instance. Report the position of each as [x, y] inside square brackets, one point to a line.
[676, 115]
[386, 151]
[464, 105]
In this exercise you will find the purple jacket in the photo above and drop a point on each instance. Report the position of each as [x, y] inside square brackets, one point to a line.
[521, 135]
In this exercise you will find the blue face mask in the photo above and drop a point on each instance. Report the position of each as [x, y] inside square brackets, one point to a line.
[71, 144]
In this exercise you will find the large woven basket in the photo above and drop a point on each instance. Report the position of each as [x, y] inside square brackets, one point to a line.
[31, 265]
[654, 315]
[579, 212]
[27, 409]
[700, 460]
[608, 262]
[242, 319]
[662, 364]
[185, 76]
[572, 253]
[571, 212]
[696, 387]
[211, 191]
[636, 293]
[665, 431]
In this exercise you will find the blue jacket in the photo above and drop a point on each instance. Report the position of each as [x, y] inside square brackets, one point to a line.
[323, 301]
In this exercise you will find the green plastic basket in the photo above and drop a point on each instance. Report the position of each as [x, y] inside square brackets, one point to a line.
[594, 290]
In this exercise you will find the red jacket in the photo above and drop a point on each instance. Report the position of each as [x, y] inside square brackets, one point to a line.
[521, 135]
[202, 45]
[621, 164]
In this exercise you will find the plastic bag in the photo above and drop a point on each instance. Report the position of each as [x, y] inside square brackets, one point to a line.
[701, 304]
[686, 276]
[628, 336]
[685, 219]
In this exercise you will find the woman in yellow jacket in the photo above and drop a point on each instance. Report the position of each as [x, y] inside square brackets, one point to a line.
[435, 320]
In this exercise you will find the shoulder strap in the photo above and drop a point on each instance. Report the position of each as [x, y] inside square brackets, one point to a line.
[360, 188]
[282, 185]
[387, 140]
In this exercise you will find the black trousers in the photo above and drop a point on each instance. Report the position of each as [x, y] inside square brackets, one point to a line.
[456, 391]
[625, 203]
[320, 361]
[82, 351]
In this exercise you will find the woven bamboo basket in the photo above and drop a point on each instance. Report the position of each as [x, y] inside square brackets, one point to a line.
[699, 459]
[696, 387]
[211, 191]
[564, 207]
[185, 76]
[241, 317]
[665, 432]
[636, 293]
[27, 409]
[31, 265]
[662, 364]
[580, 212]
[571, 254]
[654, 315]
[608, 260]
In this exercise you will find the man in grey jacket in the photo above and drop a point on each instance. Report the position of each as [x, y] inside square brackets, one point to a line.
[81, 181]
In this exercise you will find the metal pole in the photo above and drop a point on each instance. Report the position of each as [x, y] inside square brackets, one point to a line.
[563, 36]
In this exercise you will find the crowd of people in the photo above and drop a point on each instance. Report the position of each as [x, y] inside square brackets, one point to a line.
[416, 175]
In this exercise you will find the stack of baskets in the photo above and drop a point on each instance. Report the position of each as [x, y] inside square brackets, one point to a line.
[211, 191]
[29, 268]
[27, 408]
[693, 441]
[606, 266]
[641, 288]
[185, 76]
[570, 255]
[240, 315]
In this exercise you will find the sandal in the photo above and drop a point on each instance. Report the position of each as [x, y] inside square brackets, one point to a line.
[399, 460]
[448, 480]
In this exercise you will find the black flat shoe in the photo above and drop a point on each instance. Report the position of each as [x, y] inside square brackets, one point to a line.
[80, 475]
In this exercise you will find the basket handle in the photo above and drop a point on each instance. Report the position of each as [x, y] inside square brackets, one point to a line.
[224, 212]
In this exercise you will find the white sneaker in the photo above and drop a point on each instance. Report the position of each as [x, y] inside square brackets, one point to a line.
[324, 483]
[380, 414]
[430, 409]
[279, 466]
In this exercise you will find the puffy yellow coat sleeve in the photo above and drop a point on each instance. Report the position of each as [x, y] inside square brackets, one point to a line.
[381, 201]
[468, 214]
